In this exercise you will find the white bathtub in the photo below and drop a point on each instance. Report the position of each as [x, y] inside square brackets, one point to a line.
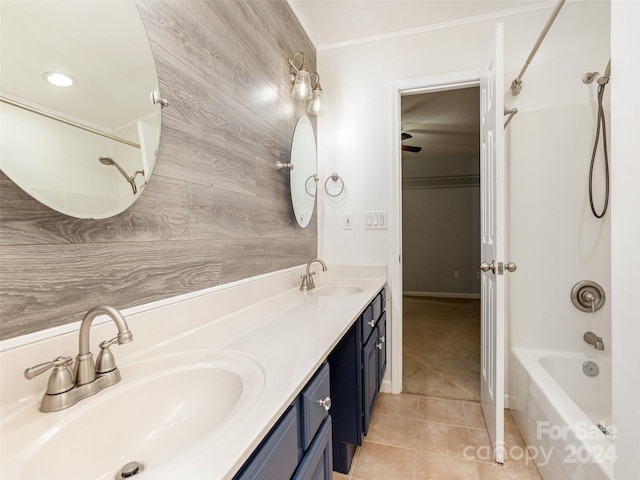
[557, 409]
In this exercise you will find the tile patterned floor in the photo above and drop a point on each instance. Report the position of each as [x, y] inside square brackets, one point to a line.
[415, 437]
[441, 347]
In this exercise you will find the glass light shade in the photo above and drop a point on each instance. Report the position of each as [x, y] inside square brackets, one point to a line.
[302, 86]
[315, 104]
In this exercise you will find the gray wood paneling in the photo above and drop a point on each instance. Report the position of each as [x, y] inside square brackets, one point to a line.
[215, 211]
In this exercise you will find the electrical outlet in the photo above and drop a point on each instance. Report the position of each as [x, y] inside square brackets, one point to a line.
[347, 221]
[456, 274]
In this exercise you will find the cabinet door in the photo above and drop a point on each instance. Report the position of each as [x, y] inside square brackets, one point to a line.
[277, 456]
[382, 347]
[317, 463]
[370, 377]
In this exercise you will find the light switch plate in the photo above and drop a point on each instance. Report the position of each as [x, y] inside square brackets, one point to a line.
[375, 220]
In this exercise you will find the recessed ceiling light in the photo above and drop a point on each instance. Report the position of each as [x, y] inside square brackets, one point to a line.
[59, 79]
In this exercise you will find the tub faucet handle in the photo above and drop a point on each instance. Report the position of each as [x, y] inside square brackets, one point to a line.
[589, 297]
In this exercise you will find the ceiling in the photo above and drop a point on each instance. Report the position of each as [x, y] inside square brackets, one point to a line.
[444, 124]
[332, 21]
[115, 74]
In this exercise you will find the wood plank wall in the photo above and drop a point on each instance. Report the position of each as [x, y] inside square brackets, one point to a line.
[215, 210]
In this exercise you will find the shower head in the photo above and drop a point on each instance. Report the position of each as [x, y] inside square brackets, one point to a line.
[590, 77]
[131, 179]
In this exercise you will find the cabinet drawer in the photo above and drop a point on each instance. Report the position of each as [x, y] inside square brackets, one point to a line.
[377, 306]
[277, 456]
[313, 412]
[317, 463]
[367, 323]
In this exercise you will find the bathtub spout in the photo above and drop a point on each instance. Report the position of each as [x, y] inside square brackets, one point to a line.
[592, 339]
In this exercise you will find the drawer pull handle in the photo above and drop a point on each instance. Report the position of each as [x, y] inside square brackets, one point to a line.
[379, 345]
[326, 403]
[372, 323]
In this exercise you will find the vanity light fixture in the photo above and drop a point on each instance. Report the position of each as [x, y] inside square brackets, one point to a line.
[301, 79]
[302, 88]
[59, 79]
[315, 104]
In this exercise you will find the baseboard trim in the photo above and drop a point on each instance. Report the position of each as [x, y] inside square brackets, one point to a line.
[441, 294]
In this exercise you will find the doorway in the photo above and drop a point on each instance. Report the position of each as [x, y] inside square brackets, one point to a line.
[440, 135]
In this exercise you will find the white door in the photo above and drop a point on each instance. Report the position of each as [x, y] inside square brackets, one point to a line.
[492, 188]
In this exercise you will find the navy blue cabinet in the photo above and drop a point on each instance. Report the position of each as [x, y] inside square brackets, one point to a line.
[307, 443]
[382, 346]
[357, 367]
[370, 375]
[318, 461]
[277, 455]
[298, 447]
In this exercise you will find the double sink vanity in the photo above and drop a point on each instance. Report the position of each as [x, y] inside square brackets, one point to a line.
[213, 386]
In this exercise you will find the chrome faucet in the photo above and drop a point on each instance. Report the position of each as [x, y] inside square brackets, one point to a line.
[307, 278]
[592, 339]
[65, 389]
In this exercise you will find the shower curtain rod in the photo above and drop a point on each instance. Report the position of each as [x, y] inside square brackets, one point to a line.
[516, 85]
[68, 122]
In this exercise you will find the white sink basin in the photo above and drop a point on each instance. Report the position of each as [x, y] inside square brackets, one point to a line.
[337, 290]
[162, 410]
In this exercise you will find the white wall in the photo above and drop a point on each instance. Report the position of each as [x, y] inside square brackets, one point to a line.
[555, 239]
[625, 269]
[356, 138]
[441, 226]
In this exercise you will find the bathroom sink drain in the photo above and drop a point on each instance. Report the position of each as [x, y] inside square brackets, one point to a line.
[129, 470]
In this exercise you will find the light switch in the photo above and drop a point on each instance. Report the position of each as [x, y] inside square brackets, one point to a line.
[376, 220]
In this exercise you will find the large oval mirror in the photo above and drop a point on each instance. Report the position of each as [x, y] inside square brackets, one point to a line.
[303, 174]
[86, 149]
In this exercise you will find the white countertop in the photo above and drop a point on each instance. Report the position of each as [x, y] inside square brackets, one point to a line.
[289, 333]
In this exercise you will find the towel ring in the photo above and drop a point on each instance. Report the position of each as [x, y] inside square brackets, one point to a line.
[335, 177]
[306, 182]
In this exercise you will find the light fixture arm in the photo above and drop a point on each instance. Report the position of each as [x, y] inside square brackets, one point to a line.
[317, 84]
[292, 60]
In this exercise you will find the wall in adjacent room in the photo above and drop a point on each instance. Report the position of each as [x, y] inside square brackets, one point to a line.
[215, 211]
[441, 226]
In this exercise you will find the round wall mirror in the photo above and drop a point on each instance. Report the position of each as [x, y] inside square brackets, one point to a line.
[80, 128]
[303, 177]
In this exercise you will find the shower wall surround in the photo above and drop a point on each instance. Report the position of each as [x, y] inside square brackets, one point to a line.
[215, 210]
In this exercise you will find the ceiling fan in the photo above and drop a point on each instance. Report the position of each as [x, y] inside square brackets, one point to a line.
[409, 148]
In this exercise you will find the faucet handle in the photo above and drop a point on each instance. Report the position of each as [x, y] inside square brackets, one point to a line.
[60, 380]
[106, 362]
[32, 372]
